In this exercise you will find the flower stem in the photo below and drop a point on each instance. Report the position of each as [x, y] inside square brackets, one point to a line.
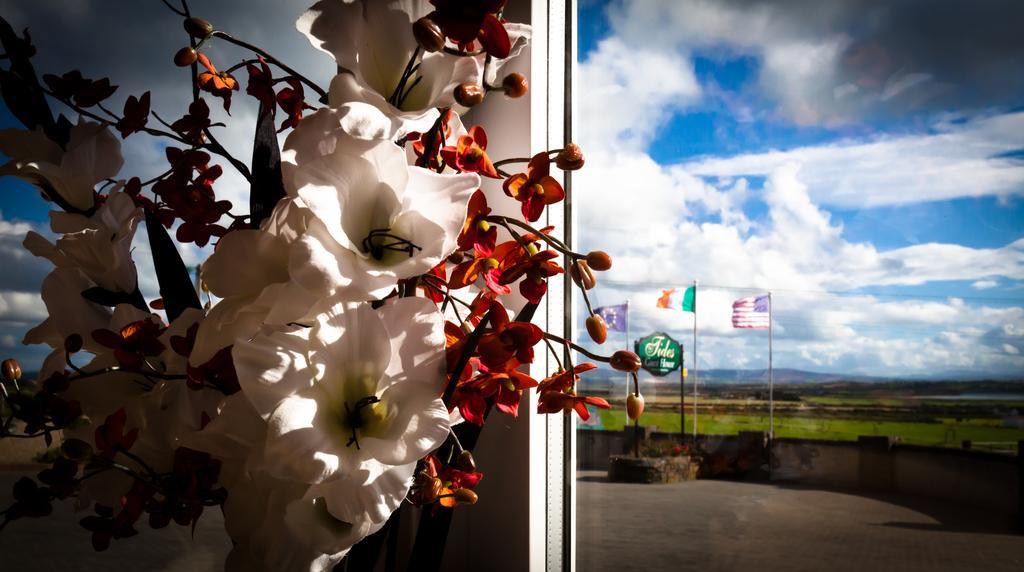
[231, 39]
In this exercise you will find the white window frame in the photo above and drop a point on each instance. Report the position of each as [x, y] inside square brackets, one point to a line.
[525, 520]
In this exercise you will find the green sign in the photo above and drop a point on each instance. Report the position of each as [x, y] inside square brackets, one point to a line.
[659, 353]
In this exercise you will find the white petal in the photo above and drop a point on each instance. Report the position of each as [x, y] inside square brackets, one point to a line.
[244, 262]
[417, 424]
[353, 348]
[443, 199]
[296, 449]
[371, 490]
[416, 329]
[273, 367]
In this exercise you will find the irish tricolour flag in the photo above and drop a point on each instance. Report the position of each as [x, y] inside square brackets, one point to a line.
[678, 299]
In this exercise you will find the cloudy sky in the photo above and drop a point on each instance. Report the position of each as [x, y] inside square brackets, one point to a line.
[863, 160]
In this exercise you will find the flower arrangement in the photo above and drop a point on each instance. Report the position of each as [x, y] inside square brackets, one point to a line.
[357, 320]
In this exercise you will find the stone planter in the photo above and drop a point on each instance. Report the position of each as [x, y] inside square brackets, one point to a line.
[652, 469]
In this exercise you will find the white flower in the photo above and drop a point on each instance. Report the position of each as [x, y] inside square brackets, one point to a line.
[372, 42]
[99, 245]
[361, 385]
[280, 524]
[375, 219]
[249, 270]
[69, 312]
[93, 154]
[276, 528]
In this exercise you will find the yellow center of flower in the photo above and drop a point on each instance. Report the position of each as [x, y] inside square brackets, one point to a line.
[490, 263]
[483, 226]
[538, 189]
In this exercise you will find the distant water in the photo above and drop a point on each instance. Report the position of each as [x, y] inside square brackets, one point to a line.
[975, 397]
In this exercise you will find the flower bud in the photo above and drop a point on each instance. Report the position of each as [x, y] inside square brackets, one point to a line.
[428, 35]
[597, 329]
[431, 490]
[570, 158]
[464, 496]
[469, 94]
[599, 260]
[515, 85]
[456, 257]
[634, 406]
[11, 369]
[73, 343]
[198, 28]
[582, 275]
[185, 57]
[76, 449]
[625, 360]
[465, 462]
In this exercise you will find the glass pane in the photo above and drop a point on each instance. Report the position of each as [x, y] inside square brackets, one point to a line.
[819, 205]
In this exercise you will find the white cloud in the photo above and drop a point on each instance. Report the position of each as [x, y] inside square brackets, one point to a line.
[956, 161]
[633, 90]
[984, 284]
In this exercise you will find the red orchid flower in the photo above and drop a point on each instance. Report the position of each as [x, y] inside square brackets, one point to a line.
[564, 379]
[467, 22]
[134, 343]
[507, 340]
[292, 100]
[537, 268]
[218, 372]
[261, 86]
[505, 384]
[486, 263]
[471, 403]
[555, 401]
[110, 437]
[470, 155]
[451, 478]
[218, 83]
[536, 188]
[476, 230]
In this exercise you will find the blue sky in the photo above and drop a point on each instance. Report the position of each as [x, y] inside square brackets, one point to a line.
[863, 170]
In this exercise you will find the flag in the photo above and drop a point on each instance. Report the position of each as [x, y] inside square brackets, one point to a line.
[614, 316]
[751, 312]
[667, 299]
[690, 300]
[675, 299]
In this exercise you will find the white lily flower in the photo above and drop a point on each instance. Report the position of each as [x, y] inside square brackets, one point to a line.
[93, 154]
[375, 219]
[99, 245]
[280, 524]
[372, 43]
[69, 313]
[361, 385]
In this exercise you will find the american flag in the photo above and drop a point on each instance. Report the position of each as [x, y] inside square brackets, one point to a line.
[750, 312]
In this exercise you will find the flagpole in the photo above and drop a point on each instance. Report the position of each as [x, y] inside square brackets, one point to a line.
[628, 348]
[771, 379]
[695, 361]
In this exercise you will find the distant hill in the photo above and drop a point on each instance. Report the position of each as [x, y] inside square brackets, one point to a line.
[789, 376]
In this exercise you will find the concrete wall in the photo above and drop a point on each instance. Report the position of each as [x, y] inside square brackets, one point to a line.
[986, 480]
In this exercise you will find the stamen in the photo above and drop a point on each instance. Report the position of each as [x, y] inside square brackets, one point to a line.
[375, 243]
[354, 417]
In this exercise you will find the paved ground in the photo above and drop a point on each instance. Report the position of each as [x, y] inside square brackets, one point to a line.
[701, 525]
[721, 525]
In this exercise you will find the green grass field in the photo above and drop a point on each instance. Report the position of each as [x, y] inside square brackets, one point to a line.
[948, 432]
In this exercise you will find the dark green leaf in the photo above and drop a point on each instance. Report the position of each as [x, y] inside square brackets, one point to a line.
[175, 283]
[267, 185]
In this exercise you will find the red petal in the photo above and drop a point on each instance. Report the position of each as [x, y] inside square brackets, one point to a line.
[494, 38]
